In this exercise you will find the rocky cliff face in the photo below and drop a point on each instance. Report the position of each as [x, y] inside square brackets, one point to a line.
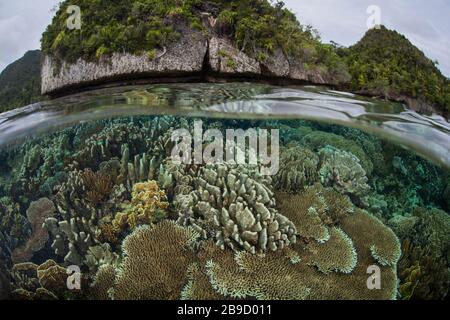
[193, 54]
[183, 56]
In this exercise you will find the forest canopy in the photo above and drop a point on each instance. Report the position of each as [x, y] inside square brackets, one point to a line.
[20, 82]
[257, 27]
[387, 64]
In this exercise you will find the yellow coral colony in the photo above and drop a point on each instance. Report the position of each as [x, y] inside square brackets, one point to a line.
[148, 201]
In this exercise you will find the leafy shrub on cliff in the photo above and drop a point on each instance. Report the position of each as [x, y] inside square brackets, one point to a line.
[385, 63]
[257, 27]
[115, 26]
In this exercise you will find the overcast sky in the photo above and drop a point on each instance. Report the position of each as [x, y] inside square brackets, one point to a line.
[425, 23]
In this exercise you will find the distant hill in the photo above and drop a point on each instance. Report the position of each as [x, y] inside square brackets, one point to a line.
[20, 82]
[385, 63]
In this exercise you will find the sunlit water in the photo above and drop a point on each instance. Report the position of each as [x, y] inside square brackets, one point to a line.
[80, 165]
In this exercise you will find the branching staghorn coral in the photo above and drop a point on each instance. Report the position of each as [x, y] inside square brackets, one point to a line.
[140, 136]
[13, 224]
[298, 169]
[75, 230]
[41, 161]
[232, 204]
[314, 210]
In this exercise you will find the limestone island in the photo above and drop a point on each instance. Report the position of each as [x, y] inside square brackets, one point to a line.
[147, 41]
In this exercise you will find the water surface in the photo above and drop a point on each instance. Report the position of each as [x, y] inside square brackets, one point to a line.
[88, 181]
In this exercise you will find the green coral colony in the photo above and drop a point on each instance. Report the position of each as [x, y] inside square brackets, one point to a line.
[107, 197]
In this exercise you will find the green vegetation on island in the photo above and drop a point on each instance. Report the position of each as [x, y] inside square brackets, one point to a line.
[257, 27]
[383, 63]
[20, 82]
[387, 64]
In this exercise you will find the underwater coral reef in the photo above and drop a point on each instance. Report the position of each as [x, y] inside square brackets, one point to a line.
[107, 197]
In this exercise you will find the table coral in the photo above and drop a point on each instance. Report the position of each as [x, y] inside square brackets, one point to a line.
[275, 276]
[103, 282]
[267, 277]
[155, 262]
[314, 210]
[198, 286]
[385, 248]
[160, 262]
[337, 254]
